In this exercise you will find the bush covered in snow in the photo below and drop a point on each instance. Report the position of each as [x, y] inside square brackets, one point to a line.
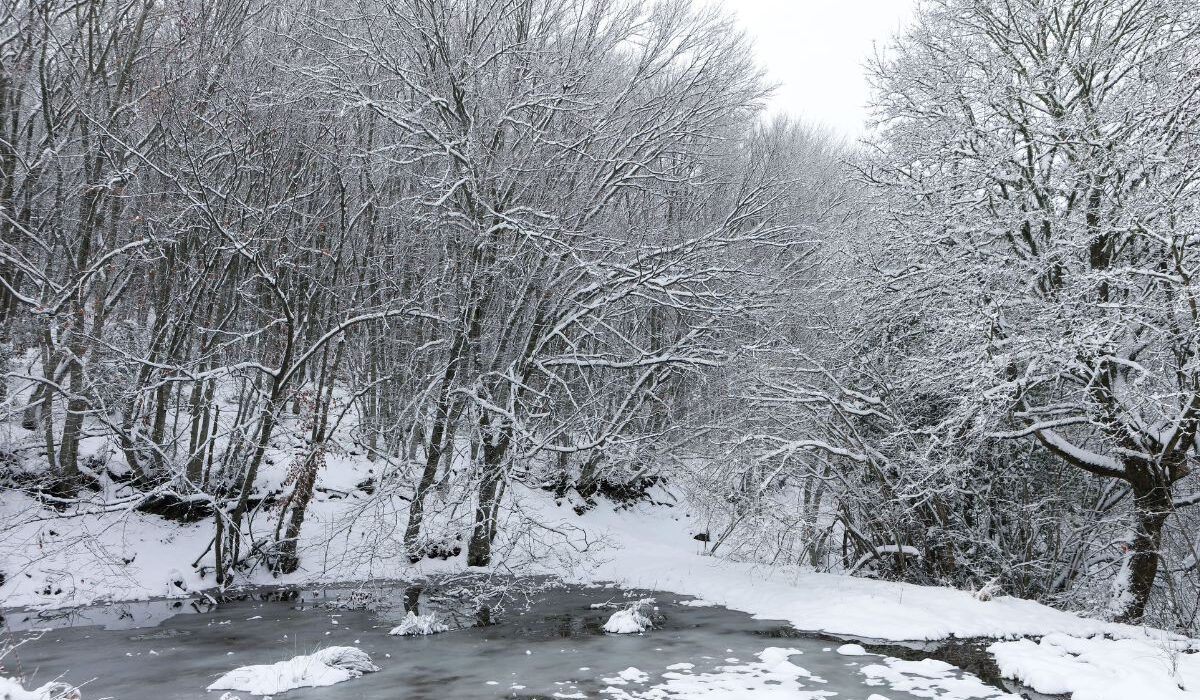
[414, 625]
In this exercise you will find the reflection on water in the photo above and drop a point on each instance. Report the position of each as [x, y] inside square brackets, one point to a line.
[114, 616]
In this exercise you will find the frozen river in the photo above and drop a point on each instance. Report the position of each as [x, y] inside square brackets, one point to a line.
[553, 648]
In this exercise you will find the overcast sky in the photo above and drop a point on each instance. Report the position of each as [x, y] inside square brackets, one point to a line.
[815, 50]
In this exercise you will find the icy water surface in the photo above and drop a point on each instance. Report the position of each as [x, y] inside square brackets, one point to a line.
[555, 649]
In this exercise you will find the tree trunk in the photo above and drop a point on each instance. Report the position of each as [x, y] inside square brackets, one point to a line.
[306, 479]
[289, 558]
[479, 550]
[68, 449]
[1152, 505]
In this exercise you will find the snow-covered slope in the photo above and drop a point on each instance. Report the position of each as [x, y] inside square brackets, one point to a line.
[654, 550]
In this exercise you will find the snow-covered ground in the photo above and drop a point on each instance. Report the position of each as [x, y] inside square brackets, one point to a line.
[59, 562]
[1100, 668]
[11, 689]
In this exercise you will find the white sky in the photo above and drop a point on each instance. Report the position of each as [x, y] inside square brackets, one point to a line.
[815, 51]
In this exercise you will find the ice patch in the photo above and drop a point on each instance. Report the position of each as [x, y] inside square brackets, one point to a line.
[322, 668]
[772, 677]
[931, 678]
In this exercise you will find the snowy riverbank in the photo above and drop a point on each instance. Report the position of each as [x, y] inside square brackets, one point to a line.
[118, 556]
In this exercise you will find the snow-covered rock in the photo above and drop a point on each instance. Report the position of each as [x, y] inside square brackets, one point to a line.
[852, 650]
[414, 625]
[322, 668]
[628, 621]
[11, 689]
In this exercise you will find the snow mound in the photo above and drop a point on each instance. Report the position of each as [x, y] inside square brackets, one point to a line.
[11, 689]
[628, 621]
[414, 625]
[325, 667]
[1102, 669]
[629, 675]
[851, 650]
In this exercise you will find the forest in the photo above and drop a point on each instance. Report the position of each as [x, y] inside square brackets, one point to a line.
[427, 259]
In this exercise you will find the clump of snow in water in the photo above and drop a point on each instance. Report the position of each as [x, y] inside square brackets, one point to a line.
[627, 621]
[414, 625]
[772, 677]
[325, 667]
[1101, 668]
[11, 689]
[931, 678]
[631, 620]
[851, 650]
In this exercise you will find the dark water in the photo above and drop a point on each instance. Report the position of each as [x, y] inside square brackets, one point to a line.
[163, 650]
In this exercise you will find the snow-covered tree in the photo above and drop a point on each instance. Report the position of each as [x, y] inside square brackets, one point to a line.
[1041, 160]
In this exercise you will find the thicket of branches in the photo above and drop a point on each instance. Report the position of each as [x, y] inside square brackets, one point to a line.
[554, 243]
[397, 226]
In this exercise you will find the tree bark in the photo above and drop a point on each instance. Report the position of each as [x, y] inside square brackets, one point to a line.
[1152, 506]
[495, 449]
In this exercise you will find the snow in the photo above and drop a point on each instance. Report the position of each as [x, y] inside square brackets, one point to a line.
[419, 625]
[322, 668]
[851, 650]
[1100, 668]
[650, 550]
[11, 689]
[628, 621]
[629, 675]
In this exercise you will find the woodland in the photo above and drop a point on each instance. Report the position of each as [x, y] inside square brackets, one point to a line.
[561, 246]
